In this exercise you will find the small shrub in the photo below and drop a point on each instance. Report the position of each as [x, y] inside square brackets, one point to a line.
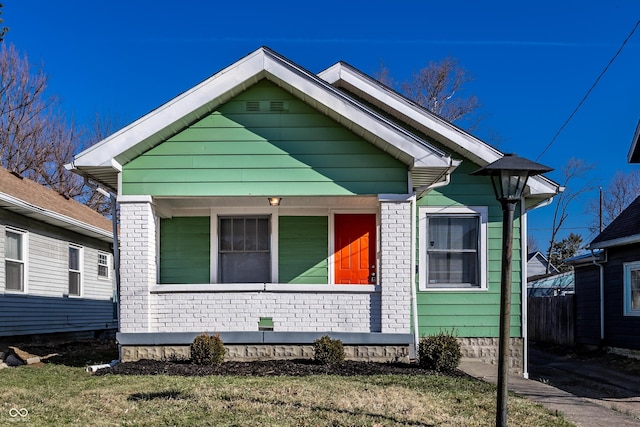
[207, 350]
[328, 351]
[440, 352]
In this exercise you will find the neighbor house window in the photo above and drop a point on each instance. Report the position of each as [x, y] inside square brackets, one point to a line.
[244, 247]
[103, 265]
[75, 272]
[14, 255]
[632, 289]
[453, 246]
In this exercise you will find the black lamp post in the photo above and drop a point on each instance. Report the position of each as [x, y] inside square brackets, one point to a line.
[509, 176]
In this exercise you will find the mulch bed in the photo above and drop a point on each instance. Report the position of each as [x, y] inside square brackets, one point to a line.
[295, 368]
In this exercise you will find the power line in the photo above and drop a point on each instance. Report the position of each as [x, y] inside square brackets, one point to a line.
[589, 91]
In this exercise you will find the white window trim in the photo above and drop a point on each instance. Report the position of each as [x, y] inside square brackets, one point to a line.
[628, 267]
[108, 265]
[25, 260]
[80, 270]
[483, 212]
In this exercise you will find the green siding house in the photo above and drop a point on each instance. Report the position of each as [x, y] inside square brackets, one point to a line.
[273, 206]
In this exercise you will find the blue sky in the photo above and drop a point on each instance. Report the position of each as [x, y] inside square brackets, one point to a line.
[532, 62]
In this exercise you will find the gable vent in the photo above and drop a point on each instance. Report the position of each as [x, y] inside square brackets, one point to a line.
[277, 106]
[252, 106]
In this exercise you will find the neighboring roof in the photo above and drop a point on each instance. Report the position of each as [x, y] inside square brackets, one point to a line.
[103, 161]
[344, 76]
[634, 151]
[28, 198]
[596, 255]
[623, 230]
[557, 284]
[542, 260]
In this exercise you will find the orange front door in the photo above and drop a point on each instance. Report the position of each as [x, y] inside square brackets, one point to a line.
[355, 249]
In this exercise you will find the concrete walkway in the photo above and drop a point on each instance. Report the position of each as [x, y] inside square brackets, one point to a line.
[585, 409]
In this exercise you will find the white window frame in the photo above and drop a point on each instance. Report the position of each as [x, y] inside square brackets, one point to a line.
[78, 271]
[107, 265]
[628, 268]
[482, 212]
[24, 260]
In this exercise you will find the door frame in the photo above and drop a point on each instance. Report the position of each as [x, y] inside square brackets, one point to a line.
[332, 242]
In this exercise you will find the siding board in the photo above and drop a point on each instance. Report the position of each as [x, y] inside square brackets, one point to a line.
[232, 151]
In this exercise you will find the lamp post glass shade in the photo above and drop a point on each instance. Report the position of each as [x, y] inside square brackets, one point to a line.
[509, 175]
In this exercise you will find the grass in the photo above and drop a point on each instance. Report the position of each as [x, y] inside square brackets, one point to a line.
[57, 395]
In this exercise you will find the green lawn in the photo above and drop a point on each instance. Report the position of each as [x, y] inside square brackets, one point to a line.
[57, 395]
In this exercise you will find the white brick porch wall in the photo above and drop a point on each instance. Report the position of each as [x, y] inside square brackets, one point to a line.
[241, 311]
[138, 262]
[386, 311]
[395, 266]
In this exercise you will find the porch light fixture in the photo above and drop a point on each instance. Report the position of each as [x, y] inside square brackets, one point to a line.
[509, 176]
[274, 201]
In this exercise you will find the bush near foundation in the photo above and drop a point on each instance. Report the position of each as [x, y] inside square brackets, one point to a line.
[440, 352]
[328, 351]
[207, 350]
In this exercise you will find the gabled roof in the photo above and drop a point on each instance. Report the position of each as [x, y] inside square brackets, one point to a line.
[104, 160]
[28, 198]
[623, 230]
[343, 75]
[634, 150]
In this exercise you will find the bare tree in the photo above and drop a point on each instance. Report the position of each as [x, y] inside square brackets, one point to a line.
[438, 87]
[575, 169]
[3, 30]
[621, 191]
[35, 140]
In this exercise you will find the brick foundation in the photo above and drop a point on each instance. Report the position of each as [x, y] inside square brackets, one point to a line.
[251, 352]
[486, 349]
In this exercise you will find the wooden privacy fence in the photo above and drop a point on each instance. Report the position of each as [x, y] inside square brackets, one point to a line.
[552, 319]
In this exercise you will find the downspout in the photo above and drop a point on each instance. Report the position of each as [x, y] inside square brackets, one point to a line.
[523, 289]
[417, 194]
[601, 268]
[116, 247]
[412, 274]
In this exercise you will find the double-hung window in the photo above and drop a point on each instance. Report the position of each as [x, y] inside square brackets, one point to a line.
[244, 249]
[14, 255]
[75, 270]
[103, 265]
[453, 247]
[632, 289]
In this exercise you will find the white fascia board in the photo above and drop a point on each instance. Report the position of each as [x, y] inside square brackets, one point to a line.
[627, 240]
[447, 134]
[424, 155]
[103, 153]
[55, 218]
[225, 81]
[427, 121]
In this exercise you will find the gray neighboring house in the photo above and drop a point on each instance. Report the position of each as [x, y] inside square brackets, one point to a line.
[608, 279]
[537, 266]
[56, 263]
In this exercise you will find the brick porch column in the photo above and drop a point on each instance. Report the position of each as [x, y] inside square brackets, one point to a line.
[137, 261]
[395, 265]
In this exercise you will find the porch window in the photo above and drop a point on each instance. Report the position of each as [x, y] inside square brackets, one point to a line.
[632, 289]
[244, 249]
[75, 273]
[453, 247]
[14, 260]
